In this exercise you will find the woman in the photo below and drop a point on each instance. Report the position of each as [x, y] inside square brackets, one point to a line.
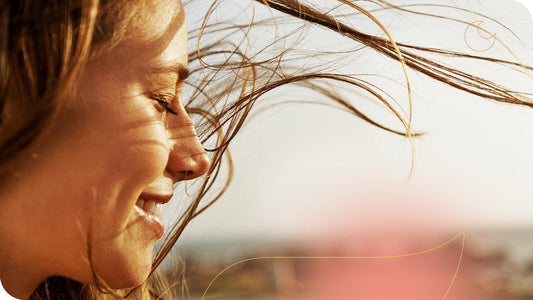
[95, 133]
[108, 160]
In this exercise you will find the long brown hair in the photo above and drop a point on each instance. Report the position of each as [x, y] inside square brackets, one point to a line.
[44, 46]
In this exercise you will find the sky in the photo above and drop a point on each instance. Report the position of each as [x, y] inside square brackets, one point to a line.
[309, 171]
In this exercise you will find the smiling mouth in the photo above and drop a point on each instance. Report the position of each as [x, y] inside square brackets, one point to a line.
[150, 213]
[150, 207]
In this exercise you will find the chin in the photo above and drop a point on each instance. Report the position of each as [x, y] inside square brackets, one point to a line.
[129, 279]
[125, 269]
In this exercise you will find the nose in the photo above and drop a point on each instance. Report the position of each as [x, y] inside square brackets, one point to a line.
[187, 158]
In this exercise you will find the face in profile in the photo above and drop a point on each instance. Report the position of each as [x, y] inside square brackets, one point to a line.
[99, 179]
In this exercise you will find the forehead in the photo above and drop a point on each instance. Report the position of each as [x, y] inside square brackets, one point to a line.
[152, 16]
[157, 35]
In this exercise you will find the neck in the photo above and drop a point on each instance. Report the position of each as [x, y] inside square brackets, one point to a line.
[34, 242]
[19, 275]
[22, 267]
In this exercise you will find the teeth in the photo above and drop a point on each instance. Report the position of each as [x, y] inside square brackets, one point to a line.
[158, 209]
[151, 207]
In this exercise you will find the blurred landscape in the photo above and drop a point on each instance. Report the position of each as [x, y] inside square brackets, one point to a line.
[494, 265]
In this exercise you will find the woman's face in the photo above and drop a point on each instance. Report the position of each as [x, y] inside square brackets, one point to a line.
[114, 147]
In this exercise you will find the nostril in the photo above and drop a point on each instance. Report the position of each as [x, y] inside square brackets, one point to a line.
[193, 166]
[187, 174]
[187, 165]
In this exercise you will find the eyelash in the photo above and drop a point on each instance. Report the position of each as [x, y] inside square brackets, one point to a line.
[162, 100]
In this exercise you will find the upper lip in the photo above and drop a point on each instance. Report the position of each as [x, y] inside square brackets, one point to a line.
[159, 198]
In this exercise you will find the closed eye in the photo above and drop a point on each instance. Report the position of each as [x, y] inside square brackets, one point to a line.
[166, 106]
[164, 102]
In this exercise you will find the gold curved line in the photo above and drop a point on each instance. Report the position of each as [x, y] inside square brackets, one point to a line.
[461, 234]
[458, 265]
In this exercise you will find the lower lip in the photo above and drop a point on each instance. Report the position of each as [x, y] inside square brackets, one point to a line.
[153, 222]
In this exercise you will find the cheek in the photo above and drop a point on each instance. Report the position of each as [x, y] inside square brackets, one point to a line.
[133, 145]
[129, 162]
[137, 162]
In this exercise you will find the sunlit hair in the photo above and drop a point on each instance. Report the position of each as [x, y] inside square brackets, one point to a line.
[44, 46]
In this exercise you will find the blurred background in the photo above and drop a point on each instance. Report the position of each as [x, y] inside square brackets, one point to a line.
[312, 181]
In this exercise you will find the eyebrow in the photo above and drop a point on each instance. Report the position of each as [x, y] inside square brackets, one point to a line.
[173, 67]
